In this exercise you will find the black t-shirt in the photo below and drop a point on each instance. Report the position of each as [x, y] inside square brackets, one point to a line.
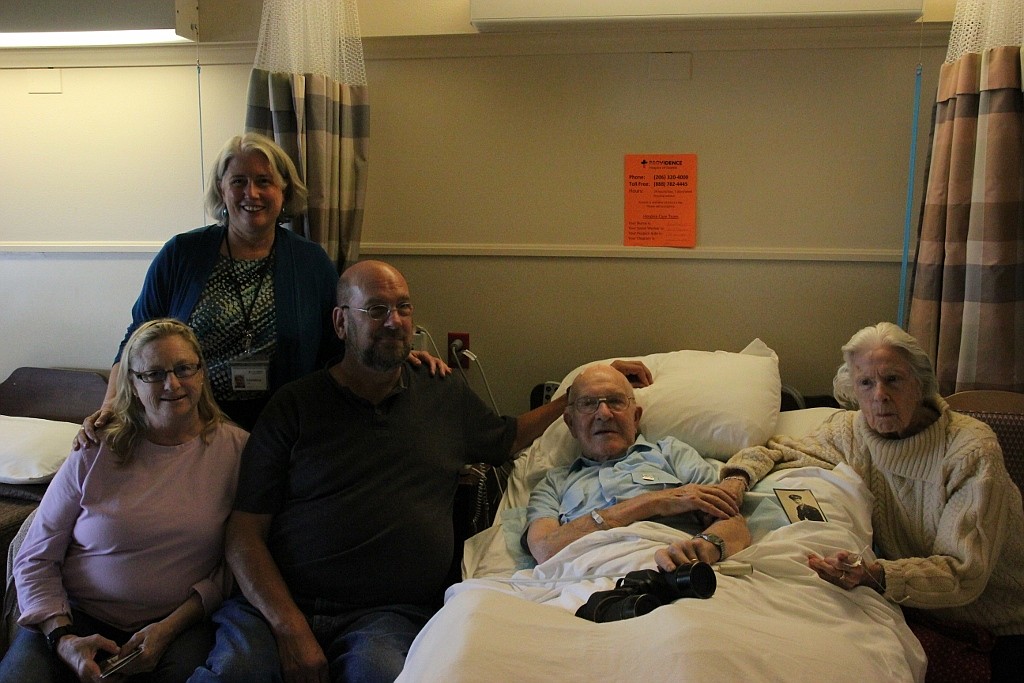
[362, 495]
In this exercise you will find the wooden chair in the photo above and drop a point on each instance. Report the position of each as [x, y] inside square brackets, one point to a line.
[1003, 411]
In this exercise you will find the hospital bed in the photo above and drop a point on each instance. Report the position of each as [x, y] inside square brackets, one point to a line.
[770, 618]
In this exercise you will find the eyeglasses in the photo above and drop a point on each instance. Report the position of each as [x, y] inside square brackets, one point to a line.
[590, 404]
[183, 371]
[381, 312]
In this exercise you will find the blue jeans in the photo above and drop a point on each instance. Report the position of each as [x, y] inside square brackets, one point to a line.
[245, 650]
[368, 646]
[363, 646]
[29, 660]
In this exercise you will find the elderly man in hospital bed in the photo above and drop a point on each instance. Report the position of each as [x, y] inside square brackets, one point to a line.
[622, 478]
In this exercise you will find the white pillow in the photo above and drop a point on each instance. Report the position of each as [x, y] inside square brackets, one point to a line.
[32, 450]
[718, 402]
[799, 423]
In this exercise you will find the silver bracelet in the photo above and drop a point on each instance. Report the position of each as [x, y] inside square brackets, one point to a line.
[743, 480]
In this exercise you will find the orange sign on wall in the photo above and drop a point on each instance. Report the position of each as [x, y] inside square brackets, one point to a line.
[661, 200]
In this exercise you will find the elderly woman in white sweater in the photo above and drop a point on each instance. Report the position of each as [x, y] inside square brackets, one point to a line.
[948, 521]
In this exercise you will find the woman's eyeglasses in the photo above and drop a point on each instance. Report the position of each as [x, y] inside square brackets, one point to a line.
[182, 371]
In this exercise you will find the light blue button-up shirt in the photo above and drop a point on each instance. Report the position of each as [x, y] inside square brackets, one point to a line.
[585, 485]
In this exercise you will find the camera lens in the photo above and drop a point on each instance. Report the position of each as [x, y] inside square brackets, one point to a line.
[695, 580]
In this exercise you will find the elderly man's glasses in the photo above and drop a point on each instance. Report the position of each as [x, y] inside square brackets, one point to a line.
[590, 404]
[182, 371]
[380, 311]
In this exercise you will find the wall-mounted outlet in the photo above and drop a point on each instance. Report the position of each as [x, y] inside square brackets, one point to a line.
[458, 341]
[419, 339]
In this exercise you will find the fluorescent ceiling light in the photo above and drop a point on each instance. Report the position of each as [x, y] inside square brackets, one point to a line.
[90, 38]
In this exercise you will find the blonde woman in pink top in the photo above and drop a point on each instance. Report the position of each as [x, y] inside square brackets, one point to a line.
[126, 549]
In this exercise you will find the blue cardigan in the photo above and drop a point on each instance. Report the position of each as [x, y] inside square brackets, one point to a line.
[305, 283]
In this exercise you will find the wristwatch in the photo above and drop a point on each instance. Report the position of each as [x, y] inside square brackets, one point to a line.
[54, 636]
[715, 541]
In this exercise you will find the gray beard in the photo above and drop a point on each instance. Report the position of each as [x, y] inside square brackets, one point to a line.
[381, 360]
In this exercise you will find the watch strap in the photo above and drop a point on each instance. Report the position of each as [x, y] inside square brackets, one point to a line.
[54, 636]
[714, 540]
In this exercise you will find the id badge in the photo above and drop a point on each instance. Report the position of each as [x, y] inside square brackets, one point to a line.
[250, 374]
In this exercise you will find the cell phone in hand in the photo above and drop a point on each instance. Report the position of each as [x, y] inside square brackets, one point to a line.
[118, 662]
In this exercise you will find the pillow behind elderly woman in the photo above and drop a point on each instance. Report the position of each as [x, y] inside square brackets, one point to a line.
[126, 548]
[948, 522]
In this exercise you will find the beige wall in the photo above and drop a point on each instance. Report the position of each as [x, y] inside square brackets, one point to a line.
[939, 10]
[496, 185]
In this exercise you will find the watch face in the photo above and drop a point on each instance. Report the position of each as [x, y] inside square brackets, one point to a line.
[715, 541]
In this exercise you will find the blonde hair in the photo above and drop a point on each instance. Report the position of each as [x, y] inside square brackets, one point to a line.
[128, 425]
[285, 174]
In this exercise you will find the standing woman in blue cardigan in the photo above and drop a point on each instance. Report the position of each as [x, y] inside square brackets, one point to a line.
[258, 296]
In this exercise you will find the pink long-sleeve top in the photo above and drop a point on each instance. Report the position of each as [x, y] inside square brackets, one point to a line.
[128, 545]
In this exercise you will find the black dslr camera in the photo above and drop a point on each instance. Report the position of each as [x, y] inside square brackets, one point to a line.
[641, 591]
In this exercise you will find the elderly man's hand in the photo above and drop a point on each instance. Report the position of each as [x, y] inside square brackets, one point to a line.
[701, 498]
[636, 372]
[686, 552]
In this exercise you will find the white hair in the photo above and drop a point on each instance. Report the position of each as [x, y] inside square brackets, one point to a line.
[876, 336]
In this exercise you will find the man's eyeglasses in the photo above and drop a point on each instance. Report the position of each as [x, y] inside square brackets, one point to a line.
[590, 404]
[183, 371]
[381, 312]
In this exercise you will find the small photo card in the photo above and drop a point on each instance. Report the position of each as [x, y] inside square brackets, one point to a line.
[800, 505]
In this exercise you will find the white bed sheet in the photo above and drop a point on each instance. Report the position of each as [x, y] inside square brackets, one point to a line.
[780, 622]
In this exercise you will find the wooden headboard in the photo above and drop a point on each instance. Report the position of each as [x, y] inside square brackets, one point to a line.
[52, 393]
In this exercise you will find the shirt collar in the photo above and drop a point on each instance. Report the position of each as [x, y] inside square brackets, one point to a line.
[641, 444]
[400, 386]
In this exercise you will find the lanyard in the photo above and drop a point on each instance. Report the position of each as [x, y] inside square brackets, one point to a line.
[262, 275]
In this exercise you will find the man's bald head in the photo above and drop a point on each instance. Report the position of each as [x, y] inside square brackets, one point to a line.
[374, 315]
[361, 275]
[602, 413]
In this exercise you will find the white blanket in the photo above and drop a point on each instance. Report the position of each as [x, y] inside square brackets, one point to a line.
[780, 622]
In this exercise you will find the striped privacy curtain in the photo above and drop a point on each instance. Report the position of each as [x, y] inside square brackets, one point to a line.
[308, 92]
[967, 304]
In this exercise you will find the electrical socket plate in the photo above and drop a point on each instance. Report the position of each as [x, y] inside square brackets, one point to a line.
[419, 341]
[549, 390]
[454, 358]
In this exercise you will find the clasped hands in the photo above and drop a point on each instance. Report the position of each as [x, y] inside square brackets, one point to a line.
[710, 503]
[848, 570]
